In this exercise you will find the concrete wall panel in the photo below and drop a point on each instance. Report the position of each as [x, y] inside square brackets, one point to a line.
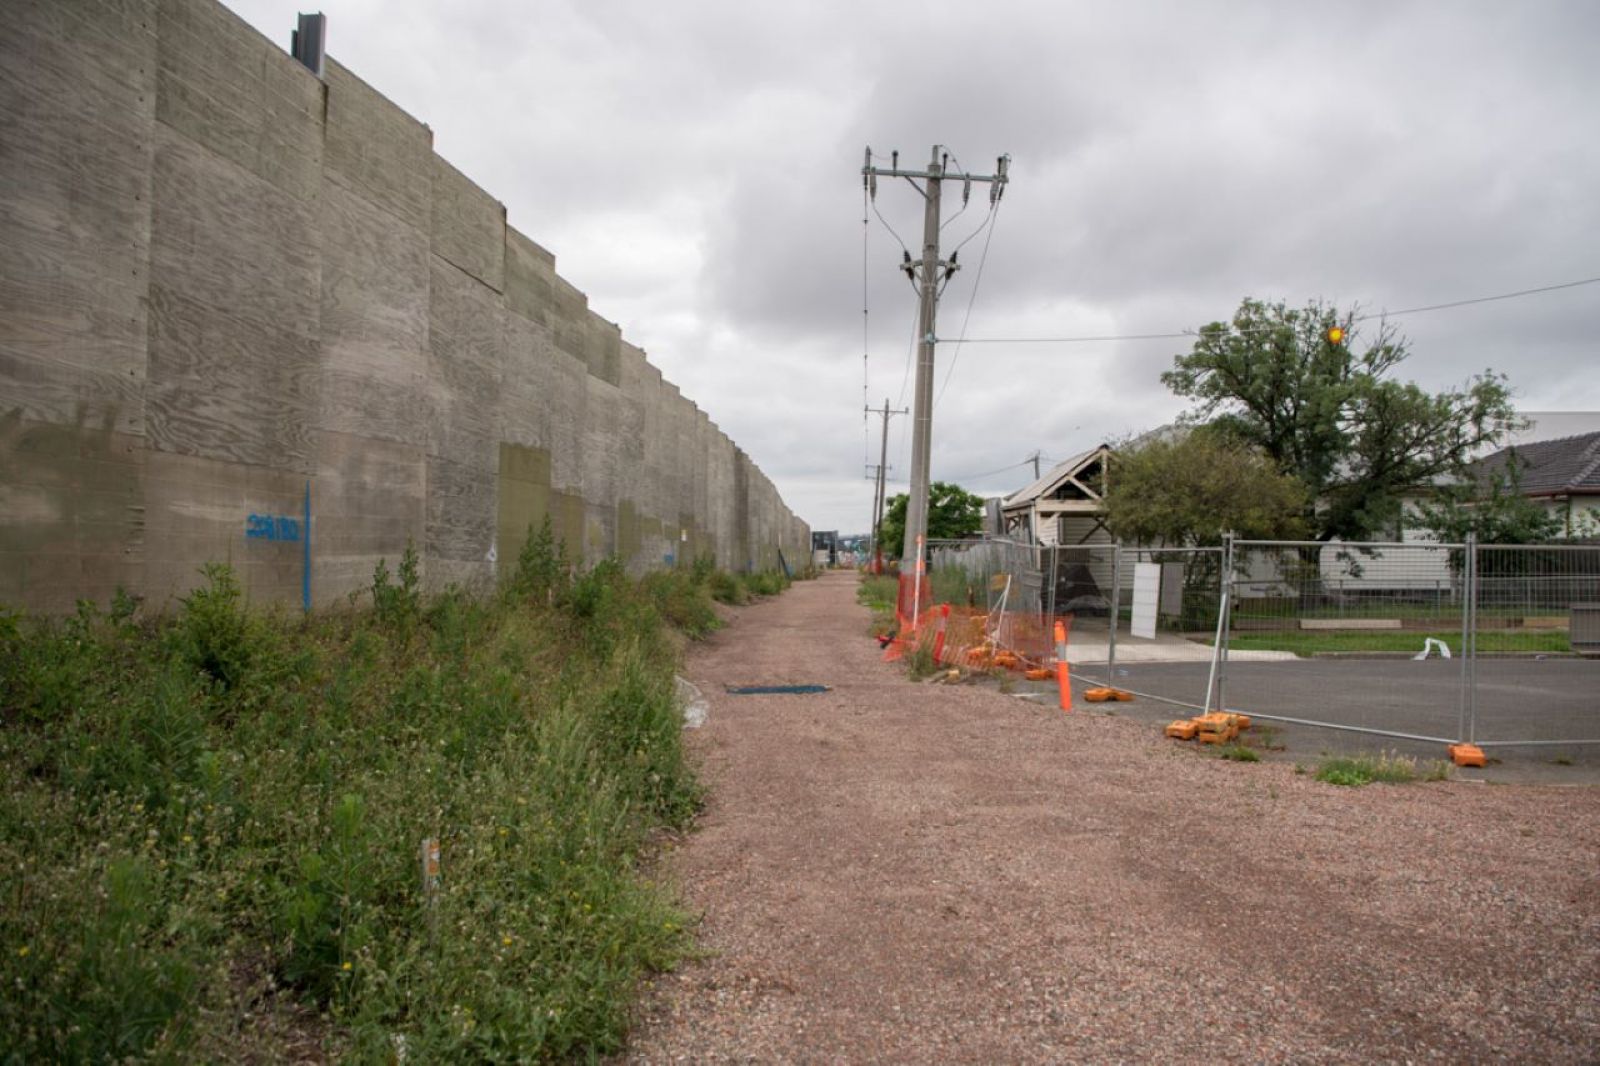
[369, 499]
[231, 91]
[230, 291]
[201, 509]
[376, 282]
[469, 226]
[77, 102]
[378, 149]
[234, 302]
[530, 274]
[71, 512]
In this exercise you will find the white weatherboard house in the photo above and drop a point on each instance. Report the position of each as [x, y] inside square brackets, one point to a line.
[1066, 506]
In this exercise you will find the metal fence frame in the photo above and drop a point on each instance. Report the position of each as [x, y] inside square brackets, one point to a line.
[1524, 581]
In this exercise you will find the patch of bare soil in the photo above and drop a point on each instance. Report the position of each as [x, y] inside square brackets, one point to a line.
[907, 872]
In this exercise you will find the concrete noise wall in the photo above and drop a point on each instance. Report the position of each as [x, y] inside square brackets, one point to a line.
[248, 315]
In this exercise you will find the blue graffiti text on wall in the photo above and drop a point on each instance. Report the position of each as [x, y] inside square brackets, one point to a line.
[272, 527]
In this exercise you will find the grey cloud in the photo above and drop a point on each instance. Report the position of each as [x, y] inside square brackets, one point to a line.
[694, 168]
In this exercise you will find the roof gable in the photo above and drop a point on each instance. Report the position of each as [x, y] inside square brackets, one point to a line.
[1079, 477]
[1567, 465]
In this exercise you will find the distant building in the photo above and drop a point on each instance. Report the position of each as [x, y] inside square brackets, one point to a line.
[825, 547]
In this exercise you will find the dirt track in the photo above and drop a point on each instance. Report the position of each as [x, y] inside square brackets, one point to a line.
[918, 873]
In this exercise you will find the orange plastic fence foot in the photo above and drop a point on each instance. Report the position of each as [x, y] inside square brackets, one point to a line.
[1467, 755]
[1064, 683]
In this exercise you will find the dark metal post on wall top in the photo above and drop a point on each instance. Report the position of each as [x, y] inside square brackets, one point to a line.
[309, 42]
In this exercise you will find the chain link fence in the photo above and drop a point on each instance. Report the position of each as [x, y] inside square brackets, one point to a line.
[1494, 645]
[1160, 613]
[999, 604]
[1419, 641]
[1534, 648]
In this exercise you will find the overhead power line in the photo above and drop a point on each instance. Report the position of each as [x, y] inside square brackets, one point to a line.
[983, 257]
[1189, 333]
[991, 473]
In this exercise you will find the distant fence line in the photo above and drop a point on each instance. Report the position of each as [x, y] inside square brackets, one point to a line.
[1507, 637]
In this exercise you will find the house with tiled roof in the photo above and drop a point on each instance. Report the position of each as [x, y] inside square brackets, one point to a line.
[1563, 474]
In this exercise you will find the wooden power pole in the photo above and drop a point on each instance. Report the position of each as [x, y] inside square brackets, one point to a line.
[927, 274]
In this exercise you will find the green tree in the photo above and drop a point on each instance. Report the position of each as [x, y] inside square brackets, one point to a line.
[1491, 506]
[1328, 412]
[1193, 489]
[953, 513]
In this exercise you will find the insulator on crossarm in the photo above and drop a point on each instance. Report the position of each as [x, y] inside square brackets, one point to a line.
[966, 191]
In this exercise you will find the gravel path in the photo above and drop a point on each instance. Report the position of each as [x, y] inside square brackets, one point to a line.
[922, 873]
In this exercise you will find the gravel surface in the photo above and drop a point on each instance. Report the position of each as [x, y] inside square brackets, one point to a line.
[906, 872]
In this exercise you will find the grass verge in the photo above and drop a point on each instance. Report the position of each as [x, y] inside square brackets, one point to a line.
[1312, 642]
[213, 820]
[878, 592]
[739, 589]
[1388, 767]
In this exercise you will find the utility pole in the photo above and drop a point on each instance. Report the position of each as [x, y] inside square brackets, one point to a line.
[927, 274]
[1034, 458]
[877, 499]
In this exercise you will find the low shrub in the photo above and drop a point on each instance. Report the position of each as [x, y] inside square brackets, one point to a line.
[683, 601]
[214, 820]
[1387, 767]
[727, 588]
[766, 582]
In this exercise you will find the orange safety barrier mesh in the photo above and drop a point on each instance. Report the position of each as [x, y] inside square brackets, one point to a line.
[969, 636]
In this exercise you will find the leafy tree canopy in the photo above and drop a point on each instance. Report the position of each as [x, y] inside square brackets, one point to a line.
[953, 513]
[1193, 489]
[1493, 508]
[1329, 414]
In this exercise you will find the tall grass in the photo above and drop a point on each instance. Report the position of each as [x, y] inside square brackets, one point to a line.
[1353, 771]
[212, 821]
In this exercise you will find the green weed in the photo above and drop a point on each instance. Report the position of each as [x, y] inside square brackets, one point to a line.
[727, 588]
[920, 663]
[878, 591]
[1238, 753]
[766, 582]
[214, 819]
[1386, 767]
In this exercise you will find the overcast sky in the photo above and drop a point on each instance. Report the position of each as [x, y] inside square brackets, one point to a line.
[695, 168]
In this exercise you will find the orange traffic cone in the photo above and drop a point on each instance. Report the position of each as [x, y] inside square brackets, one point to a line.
[1063, 677]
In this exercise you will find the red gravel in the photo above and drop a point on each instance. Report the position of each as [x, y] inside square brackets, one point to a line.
[910, 872]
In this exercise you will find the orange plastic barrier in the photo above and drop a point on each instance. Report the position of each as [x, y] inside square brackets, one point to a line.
[1218, 727]
[1467, 755]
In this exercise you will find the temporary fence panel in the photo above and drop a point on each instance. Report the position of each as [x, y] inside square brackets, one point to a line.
[995, 589]
[1535, 677]
[1363, 637]
[1106, 648]
[1435, 642]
